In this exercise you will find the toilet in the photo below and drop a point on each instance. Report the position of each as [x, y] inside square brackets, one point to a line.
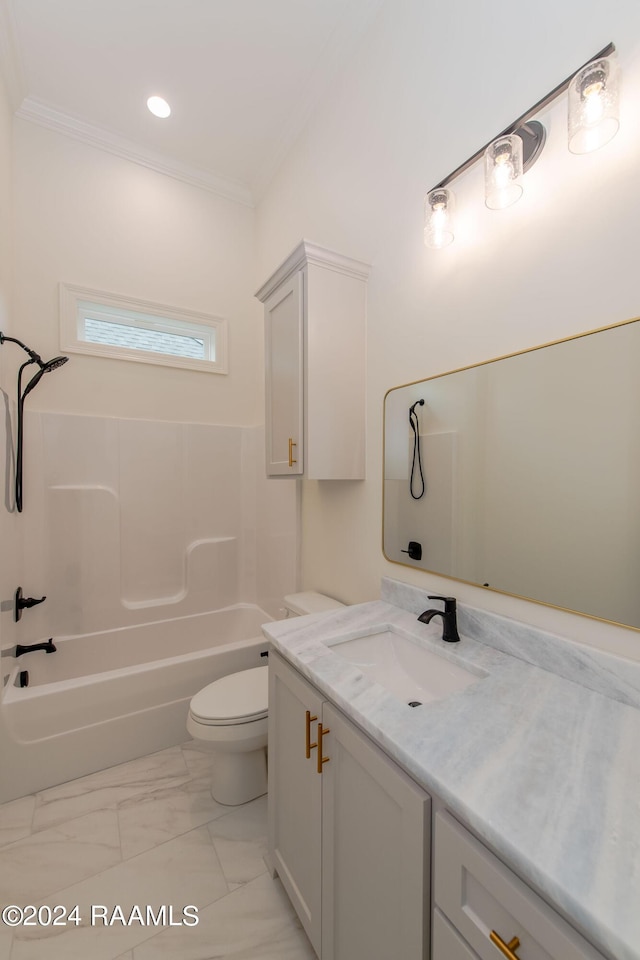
[230, 717]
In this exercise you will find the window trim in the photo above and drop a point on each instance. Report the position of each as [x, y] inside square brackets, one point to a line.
[207, 326]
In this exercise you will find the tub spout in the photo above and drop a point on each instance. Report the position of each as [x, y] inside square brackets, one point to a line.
[48, 646]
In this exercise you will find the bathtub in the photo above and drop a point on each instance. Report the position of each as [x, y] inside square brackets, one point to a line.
[107, 697]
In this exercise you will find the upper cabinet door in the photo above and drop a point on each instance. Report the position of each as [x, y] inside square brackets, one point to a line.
[315, 316]
[284, 355]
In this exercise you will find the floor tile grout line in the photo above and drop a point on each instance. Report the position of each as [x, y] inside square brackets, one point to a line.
[111, 805]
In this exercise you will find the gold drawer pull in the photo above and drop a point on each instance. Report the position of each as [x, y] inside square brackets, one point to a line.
[508, 949]
[321, 732]
[291, 446]
[308, 745]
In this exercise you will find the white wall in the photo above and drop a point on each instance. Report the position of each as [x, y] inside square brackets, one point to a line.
[11, 545]
[84, 216]
[430, 85]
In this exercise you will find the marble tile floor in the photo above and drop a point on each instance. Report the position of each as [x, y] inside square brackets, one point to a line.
[145, 833]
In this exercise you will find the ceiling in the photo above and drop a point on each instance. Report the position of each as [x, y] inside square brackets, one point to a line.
[242, 77]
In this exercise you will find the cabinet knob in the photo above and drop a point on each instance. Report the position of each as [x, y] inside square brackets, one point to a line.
[508, 949]
[291, 446]
[321, 732]
[308, 745]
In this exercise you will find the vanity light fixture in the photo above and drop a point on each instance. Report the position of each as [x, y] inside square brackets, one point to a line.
[593, 121]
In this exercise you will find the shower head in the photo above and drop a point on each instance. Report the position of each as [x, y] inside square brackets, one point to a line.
[44, 368]
[54, 364]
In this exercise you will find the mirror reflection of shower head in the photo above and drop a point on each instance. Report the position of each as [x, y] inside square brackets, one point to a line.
[45, 367]
[417, 484]
[412, 408]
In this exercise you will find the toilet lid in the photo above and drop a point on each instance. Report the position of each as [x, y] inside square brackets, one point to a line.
[237, 698]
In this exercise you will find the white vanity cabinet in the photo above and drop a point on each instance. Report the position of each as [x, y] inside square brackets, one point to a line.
[484, 912]
[348, 830]
[315, 360]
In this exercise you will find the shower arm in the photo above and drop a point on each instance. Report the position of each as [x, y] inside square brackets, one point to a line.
[35, 358]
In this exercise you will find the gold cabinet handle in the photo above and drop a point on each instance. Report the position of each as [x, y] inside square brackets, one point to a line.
[508, 949]
[291, 446]
[321, 733]
[308, 745]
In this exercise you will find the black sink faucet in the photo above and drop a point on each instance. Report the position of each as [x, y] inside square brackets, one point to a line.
[48, 646]
[449, 622]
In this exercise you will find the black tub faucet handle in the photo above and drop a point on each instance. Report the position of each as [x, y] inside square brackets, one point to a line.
[22, 603]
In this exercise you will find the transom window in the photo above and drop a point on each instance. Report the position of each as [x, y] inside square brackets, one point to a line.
[108, 325]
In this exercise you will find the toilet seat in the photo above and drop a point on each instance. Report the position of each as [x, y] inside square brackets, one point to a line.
[235, 699]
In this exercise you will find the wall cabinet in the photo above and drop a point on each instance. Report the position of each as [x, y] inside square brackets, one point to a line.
[315, 362]
[348, 830]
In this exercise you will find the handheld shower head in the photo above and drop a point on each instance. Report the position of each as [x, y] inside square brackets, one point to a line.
[35, 380]
[44, 368]
[54, 364]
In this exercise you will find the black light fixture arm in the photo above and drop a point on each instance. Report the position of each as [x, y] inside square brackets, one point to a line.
[524, 119]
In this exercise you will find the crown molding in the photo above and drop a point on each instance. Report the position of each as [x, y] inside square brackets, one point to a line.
[11, 65]
[307, 252]
[43, 114]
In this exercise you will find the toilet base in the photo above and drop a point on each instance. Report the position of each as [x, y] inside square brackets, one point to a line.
[239, 777]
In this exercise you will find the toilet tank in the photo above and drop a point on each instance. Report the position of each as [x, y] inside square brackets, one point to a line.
[300, 604]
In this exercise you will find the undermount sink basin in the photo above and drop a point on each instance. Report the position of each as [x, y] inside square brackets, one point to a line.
[404, 668]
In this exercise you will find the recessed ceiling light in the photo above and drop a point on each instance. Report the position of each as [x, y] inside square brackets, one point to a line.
[159, 107]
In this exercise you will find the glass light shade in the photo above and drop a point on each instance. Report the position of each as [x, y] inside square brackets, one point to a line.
[438, 218]
[593, 106]
[503, 172]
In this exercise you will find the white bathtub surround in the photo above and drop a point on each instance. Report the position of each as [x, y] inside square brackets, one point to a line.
[131, 521]
[176, 847]
[70, 721]
[543, 769]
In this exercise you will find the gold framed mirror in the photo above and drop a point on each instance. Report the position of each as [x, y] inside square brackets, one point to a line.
[531, 470]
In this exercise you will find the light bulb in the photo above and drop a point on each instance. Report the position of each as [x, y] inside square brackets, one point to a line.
[593, 106]
[438, 218]
[503, 172]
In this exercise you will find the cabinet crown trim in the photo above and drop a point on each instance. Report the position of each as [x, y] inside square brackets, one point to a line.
[307, 252]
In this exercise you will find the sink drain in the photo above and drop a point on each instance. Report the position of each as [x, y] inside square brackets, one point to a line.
[415, 703]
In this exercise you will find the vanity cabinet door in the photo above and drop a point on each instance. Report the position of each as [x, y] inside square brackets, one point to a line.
[295, 793]
[478, 894]
[375, 851]
[447, 945]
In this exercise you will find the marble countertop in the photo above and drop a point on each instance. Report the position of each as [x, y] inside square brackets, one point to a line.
[545, 770]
